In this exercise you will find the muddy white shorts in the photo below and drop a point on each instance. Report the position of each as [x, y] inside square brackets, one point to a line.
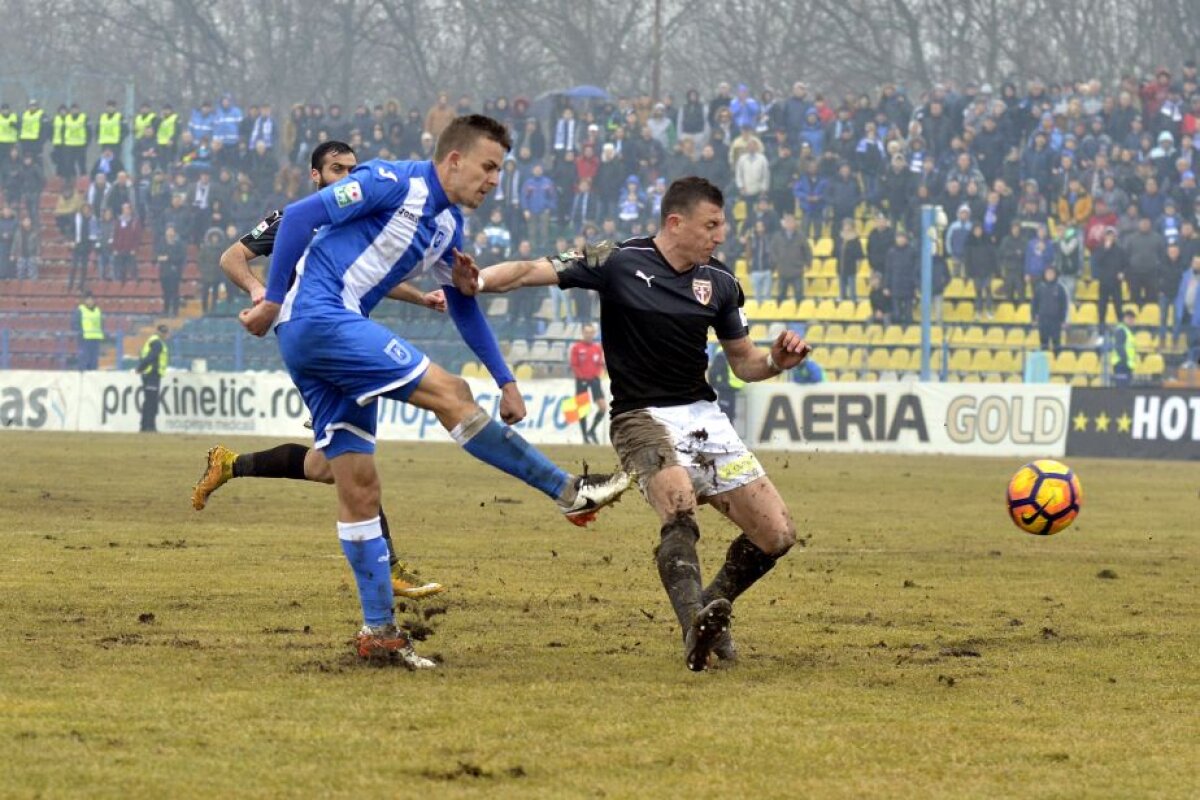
[698, 437]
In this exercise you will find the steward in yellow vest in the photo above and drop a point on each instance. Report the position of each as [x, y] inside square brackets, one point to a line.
[8, 125]
[110, 129]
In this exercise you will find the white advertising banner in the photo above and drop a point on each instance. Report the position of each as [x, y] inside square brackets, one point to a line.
[952, 418]
[265, 404]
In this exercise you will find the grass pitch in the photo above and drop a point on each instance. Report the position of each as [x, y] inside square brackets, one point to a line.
[919, 646]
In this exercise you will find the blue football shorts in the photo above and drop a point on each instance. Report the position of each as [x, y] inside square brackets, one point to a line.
[342, 365]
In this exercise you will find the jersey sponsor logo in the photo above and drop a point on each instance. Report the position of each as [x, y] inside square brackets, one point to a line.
[348, 194]
[702, 289]
[646, 278]
[387, 174]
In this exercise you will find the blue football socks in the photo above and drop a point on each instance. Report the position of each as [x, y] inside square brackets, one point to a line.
[505, 449]
[367, 552]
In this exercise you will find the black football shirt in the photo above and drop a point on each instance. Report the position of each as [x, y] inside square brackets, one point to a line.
[655, 322]
[261, 238]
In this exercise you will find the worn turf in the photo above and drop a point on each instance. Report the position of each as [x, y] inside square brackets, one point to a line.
[920, 646]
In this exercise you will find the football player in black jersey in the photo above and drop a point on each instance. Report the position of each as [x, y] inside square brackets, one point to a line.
[658, 298]
[331, 161]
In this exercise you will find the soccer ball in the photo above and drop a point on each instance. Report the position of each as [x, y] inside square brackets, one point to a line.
[1044, 497]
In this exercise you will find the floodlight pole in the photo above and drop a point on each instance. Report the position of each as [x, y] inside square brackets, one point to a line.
[928, 232]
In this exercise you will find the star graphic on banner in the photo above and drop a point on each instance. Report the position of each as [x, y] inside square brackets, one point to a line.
[1081, 421]
[1124, 422]
[1102, 421]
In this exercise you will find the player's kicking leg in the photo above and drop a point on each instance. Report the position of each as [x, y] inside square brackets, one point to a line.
[579, 497]
[298, 462]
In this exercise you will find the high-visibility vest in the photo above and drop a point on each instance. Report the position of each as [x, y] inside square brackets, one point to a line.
[110, 129]
[166, 129]
[59, 122]
[143, 122]
[734, 381]
[1131, 356]
[31, 125]
[91, 323]
[8, 128]
[161, 366]
[75, 133]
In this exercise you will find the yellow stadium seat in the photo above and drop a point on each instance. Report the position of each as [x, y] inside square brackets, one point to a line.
[1144, 340]
[807, 309]
[994, 336]
[751, 309]
[959, 289]
[739, 210]
[1079, 380]
[869, 377]
[878, 359]
[838, 358]
[972, 336]
[758, 332]
[523, 372]
[982, 361]
[1087, 290]
[822, 248]
[1004, 361]
[846, 309]
[820, 287]
[1088, 363]
[911, 334]
[1017, 378]
[901, 360]
[768, 309]
[826, 309]
[892, 334]
[1085, 314]
[854, 334]
[787, 309]
[1032, 340]
[858, 358]
[814, 333]
[1150, 315]
[863, 310]
[1015, 338]
[1022, 315]
[960, 360]
[1151, 364]
[471, 369]
[972, 378]
[1004, 314]
[835, 333]
[1065, 362]
[874, 333]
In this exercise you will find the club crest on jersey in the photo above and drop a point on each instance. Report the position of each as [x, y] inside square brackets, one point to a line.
[347, 194]
[438, 238]
[702, 288]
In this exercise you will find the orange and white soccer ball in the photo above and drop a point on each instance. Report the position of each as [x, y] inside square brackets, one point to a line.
[1044, 497]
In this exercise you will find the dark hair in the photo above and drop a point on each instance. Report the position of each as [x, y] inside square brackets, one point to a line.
[327, 150]
[685, 193]
[462, 133]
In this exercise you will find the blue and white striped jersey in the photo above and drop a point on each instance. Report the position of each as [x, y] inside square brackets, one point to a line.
[391, 221]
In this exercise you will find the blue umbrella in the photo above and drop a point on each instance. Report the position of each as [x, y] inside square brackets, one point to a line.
[586, 92]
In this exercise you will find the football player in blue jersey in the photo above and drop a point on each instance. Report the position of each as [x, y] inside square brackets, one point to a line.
[331, 161]
[383, 223]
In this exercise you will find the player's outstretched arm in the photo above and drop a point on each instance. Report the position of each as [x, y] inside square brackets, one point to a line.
[751, 363]
[475, 331]
[503, 277]
[235, 263]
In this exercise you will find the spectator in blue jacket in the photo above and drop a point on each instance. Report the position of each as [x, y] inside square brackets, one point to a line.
[812, 131]
[202, 121]
[811, 191]
[539, 198]
[745, 109]
[1039, 254]
[1187, 308]
[227, 122]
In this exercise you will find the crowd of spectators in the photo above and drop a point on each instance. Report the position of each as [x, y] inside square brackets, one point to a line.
[1039, 183]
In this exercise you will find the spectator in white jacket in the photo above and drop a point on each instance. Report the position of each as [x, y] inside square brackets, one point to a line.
[752, 174]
